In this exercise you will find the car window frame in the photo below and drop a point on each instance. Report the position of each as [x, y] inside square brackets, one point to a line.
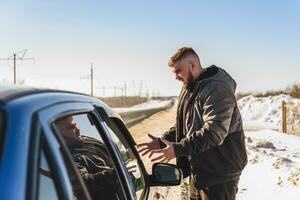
[39, 142]
[115, 154]
[45, 117]
[74, 108]
[44, 146]
[41, 134]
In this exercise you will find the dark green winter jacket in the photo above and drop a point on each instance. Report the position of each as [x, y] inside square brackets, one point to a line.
[209, 136]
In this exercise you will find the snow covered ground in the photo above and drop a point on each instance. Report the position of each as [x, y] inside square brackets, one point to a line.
[265, 112]
[273, 169]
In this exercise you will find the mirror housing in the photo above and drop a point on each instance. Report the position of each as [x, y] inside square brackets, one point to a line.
[165, 174]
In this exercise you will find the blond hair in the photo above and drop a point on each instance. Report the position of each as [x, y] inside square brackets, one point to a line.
[181, 54]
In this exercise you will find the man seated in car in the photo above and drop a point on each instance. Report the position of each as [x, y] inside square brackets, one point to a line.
[92, 159]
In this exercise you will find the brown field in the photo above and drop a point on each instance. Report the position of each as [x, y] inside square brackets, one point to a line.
[121, 102]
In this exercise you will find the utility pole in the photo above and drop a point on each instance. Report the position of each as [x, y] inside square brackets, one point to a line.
[147, 92]
[92, 79]
[91, 76]
[15, 70]
[15, 57]
[125, 89]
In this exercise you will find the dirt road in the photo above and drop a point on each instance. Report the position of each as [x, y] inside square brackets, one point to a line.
[156, 125]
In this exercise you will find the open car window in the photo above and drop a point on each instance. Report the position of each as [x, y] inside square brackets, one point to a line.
[133, 166]
[90, 155]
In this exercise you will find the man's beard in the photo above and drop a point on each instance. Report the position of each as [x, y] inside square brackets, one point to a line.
[190, 81]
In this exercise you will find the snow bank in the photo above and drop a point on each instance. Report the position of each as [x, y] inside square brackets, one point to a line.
[265, 112]
[273, 171]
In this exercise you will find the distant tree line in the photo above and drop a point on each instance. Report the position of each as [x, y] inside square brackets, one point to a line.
[293, 91]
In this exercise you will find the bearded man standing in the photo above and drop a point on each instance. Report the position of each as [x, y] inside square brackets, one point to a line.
[208, 138]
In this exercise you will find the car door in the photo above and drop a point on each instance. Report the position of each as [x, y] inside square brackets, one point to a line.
[163, 174]
[126, 146]
[75, 177]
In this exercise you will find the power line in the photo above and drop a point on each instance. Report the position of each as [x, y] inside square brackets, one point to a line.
[16, 57]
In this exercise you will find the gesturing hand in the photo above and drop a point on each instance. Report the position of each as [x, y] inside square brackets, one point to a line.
[146, 147]
[131, 167]
[166, 154]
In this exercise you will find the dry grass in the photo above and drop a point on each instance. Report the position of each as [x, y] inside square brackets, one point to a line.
[293, 91]
[123, 101]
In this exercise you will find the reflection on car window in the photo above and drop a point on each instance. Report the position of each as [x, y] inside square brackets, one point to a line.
[90, 156]
[47, 189]
[129, 158]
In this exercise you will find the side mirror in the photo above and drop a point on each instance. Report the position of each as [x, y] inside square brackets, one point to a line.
[164, 174]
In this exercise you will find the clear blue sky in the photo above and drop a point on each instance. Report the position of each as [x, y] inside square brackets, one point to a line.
[131, 41]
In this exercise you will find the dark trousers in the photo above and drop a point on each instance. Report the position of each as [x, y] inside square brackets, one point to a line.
[222, 191]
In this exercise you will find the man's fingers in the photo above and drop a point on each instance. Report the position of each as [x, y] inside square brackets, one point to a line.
[151, 136]
[131, 168]
[156, 151]
[158, 158]
[142, 144]
[146, 152]
[143, 149]
[164, 160]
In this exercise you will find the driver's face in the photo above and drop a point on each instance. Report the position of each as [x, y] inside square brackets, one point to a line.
[69, 130]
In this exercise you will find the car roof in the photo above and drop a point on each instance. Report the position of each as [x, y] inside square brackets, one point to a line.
[43, 96]
[9, 93]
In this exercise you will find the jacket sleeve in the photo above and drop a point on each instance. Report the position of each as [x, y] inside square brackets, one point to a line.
[104, 176]
[168, 135]
[218, 105]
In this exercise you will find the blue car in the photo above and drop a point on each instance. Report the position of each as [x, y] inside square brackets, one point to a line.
[65, 145]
